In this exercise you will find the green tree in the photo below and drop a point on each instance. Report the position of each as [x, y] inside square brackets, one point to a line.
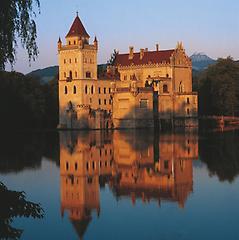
[14, 204]
[219, 89]
[17, 22]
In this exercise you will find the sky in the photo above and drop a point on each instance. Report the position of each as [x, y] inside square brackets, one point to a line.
[208, 26]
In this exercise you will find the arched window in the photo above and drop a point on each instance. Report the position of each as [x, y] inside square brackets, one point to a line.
[70, 74]
[75, 74]
[180, 87]
[74, 42]
[74, 89]
[69, 42]
[88, 74]
[92, 90]
[165, 88]
[65, 89]
[86, 89]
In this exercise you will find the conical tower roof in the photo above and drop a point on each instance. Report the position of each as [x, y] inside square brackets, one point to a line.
[77, 29]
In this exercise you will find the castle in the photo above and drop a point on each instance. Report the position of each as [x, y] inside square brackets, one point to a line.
[140, 166]
[138, 89]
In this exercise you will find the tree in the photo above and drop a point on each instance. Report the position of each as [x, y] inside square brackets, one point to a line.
[16, 22]
[219, 88]
[14, 204]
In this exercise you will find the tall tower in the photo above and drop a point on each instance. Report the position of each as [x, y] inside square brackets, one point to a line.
[77, 64]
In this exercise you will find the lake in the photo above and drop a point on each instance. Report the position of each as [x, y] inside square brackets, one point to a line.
[134, 184]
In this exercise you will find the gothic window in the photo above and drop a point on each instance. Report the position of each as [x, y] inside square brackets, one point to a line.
[88, 74]
[165, 88]
[99, 90]
[104, 90]
[99, 102]
[188, 100]
[67, 166]
[76, 166]
[74, 90]
[92, 90]
[105, 101]
[70, 74]
[65, 89]
[86, 89]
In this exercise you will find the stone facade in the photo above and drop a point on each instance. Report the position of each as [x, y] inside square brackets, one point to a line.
[138, 90]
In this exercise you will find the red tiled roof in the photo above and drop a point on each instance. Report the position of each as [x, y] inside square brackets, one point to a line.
[77, 29]
[150, 57]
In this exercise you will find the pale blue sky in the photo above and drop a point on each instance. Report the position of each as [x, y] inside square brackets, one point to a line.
[209, 26]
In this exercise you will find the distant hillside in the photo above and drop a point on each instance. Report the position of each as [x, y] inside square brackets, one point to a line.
[45, 74]
[201, 61]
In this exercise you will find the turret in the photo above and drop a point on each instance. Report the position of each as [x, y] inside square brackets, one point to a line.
[59, 44]
[96, 43]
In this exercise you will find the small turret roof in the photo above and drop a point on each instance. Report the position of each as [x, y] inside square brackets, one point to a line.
[77, 29]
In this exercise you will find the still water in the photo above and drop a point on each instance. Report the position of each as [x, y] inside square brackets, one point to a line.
[125, 184]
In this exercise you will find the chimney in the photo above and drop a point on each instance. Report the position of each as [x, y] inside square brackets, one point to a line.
[131, 53]
[141, 53]
[157, 47]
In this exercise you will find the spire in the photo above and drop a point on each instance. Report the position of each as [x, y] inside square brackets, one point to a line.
[77, 29]
[59, 41]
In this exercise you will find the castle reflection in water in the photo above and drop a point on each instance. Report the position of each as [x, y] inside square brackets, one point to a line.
[138, 165]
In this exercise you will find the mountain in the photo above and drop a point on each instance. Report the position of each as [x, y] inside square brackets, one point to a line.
[201, 61]
[45, 74]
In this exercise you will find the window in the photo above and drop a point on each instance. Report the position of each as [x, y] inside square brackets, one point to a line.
[67, 166]
[188, 100]
[76, 166]
[104, 90]
[93, 165]
[143, 103]
[75, 60]
[109, 90]
[188, 111]
[180, 87]
[167, 75]
[166, 164]
[90, 100]
[165, 88]
[125, 77]
[76, 74]
[65, 61]
[74, 90]
[65, 89]
[110, 101]
[64, 75]
[87, 166]
[86, 89]
[70, 60]
[69, 42]
[92, 90]
[105, 101]
[88, 74]
[99, 90]
[70, 74]
[99, 102]
[74, 42]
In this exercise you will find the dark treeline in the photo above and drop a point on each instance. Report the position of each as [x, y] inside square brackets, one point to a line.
[26, 103]
[218, 88]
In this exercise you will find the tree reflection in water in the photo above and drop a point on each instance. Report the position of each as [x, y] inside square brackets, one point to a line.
[14, 204]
